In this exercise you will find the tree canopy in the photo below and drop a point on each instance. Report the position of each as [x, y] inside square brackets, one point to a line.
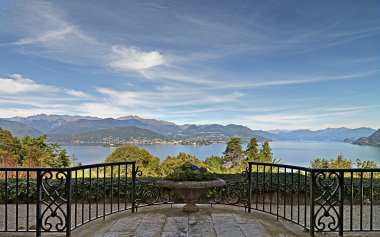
[146, 162]
[30, 152]
[169, 164]
[233, 153]
[215, 164]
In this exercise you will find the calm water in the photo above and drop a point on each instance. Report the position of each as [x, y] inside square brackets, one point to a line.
[294, 153]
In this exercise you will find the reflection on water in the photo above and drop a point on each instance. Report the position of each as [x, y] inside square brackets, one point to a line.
[294, 153]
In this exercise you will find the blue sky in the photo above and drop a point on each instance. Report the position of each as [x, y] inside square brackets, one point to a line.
[263, 64]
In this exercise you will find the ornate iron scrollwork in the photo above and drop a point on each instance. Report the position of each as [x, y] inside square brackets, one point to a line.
[54, 193]
[149, 193]
[234, 192]
[327, 200]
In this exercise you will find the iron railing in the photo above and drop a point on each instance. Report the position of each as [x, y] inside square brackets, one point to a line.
[62, 199]
[320, 200]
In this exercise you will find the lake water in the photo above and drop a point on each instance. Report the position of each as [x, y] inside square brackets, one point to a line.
[292, 153]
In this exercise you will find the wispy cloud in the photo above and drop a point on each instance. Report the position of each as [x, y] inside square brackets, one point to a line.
[16, 83]
[46, 36]
[305, 79]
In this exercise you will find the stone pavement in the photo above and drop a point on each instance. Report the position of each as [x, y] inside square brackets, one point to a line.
[166, 221]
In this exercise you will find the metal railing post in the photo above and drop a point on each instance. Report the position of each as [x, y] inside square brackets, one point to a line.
[68, 212]
[341, 202]
[249, 187]
[39, 197]
[312, 217]
[134, 171]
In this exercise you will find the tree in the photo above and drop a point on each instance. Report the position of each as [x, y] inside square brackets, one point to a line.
[171, 162]
[233, 152]
[319, 163]
[215, 164]
[252, 151]
[338, 163]
[31, 152]
[366, 164]
[147, 163]
[265, 153]
[341, 162]
[10, 149]
[63, 160]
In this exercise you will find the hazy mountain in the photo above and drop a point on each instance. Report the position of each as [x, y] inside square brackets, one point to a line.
[58, 125]
[373, 140]
[147, 121]
[118, 135]
[328, 134]
[46, 123]
[19, 129]
[215, 130]
[84, 125]
[265, 134]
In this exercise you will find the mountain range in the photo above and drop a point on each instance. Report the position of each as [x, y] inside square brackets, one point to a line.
[67, 128]
[373, 139]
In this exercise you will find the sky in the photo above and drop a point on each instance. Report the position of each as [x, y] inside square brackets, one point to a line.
[264, 64]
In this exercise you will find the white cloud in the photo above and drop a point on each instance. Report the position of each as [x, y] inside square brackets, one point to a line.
[46, 36]
[126, 98]
[134, 59]
[100, 109]
[76, 93]
[16, 83]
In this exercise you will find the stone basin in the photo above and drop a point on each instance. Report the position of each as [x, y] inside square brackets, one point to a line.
[191, 191]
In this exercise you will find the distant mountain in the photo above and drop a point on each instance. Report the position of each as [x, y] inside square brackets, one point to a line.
[147, 121]
[217, 131]
[84, 125]
[19, 129]
[160, 126]
[66, 126]
[46, 123]
[328, 134]
[117, 135]
[373, 140]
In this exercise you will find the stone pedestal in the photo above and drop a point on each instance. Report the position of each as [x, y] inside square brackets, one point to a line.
[191, 191]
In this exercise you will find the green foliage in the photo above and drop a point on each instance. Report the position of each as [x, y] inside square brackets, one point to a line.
[169, 164]
[339, 162]
[266, 153]
[233, 153]
[366, 164]
[319, 163]
[252, 151]
[215, 164]
[190, 172]
[30, 152]
[147, 163]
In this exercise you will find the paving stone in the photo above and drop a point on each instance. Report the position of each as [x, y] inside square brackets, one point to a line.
[154, 218]
[225, 218]
[173, 234]
[148, 230]
[200, 228]
[173, 222]
[245, 220]
[128, 224]
[117, 234]
[253, 230]
[226, 226]
[176, 224]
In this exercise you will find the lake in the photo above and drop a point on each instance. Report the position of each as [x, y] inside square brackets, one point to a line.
[292, 153]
